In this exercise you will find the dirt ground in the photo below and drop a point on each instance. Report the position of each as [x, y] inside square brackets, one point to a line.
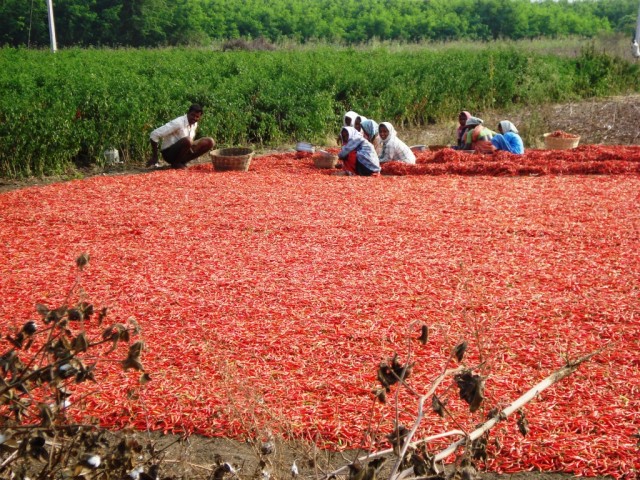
[609, 121]
[198, 457]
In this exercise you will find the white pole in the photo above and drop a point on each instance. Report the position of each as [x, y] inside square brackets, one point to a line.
[635, 47]
[638, 27]
[52, 26]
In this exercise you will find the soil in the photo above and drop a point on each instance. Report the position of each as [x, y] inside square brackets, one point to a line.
[608, 121]
[198, 457]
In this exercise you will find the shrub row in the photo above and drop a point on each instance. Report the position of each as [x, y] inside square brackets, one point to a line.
[68, 107]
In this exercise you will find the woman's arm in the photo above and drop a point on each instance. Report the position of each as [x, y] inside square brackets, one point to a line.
[349, 147]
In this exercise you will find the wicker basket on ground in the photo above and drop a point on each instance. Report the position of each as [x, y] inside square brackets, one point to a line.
[324, 159]
[565, 142]
[237, 159]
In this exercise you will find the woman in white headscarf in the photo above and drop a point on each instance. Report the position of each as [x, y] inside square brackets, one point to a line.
[508, 138]
[357, 154]
[394, 149]
[358, 122]
[350, 119]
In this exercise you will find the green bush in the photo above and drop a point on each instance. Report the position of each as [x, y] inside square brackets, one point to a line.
[65, 109]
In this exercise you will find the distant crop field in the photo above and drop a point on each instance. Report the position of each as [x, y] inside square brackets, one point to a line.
[66, 108]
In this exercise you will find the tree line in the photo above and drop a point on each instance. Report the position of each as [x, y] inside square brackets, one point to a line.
[154, 23]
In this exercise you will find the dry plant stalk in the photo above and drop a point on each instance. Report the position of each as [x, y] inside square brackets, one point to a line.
[467, 438]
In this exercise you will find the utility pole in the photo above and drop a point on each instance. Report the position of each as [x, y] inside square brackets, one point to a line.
[635, 48]
[52, 26]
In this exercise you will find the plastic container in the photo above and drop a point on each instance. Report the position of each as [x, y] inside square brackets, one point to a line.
[304, 147]
[112, 156]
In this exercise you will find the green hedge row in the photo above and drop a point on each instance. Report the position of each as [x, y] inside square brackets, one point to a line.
[68, 107]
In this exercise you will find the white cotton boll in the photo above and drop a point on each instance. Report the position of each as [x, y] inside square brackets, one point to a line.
[294, 469]
[93, 461]
[135, 473]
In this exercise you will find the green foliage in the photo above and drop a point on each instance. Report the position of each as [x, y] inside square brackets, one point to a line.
[68, 108]
[153, 23]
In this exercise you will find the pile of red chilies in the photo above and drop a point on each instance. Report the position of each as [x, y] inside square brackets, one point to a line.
[268, 298]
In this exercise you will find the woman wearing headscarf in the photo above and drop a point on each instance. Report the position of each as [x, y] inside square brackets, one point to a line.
[358, 122]
[350, 119]
[357, 154]
[394, 149]
[462, 129]
[478, 136]
[508, 138]
[370, 132]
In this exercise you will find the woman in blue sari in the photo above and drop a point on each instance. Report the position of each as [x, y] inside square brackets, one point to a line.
[508, 138]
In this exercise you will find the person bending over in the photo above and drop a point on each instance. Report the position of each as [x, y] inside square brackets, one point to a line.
[508, 139]
[358, 155]
[179, 146]
[478, 136]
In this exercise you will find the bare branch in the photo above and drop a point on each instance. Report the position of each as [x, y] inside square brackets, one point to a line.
[532, 393]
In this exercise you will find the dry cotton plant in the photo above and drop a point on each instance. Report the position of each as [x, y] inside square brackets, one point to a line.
[412, 458]
[44, 359]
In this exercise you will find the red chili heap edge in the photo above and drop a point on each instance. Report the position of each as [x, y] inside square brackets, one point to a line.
[270, 297]
[583, 160]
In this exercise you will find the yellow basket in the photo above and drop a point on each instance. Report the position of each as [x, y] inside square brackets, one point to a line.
[237, 159]
[325, 160]
[559, 143]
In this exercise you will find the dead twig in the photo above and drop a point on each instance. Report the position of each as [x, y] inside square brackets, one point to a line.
[532, 393]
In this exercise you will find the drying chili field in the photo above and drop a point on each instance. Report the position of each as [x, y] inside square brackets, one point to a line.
[269, 298]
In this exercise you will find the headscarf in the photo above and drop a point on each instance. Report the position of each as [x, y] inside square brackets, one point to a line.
[509, 140]
[358, 149]
[352, 132]
[507, 126]
[395, 149]
[352, 115]
[473, 121]
[392, 132]
[462, 128]
[370, 127]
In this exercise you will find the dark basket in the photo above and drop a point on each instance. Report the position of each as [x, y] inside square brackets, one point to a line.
[237, 159]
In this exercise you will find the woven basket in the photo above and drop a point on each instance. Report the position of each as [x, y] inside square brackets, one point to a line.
[325, 160]
[559, 143]
[237, 159]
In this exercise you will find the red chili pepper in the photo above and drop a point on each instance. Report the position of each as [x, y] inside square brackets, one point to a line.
[269, 297]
